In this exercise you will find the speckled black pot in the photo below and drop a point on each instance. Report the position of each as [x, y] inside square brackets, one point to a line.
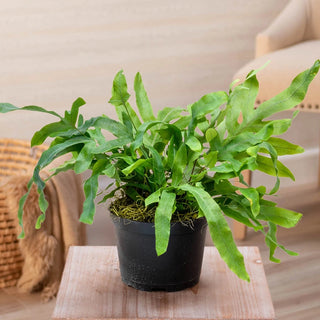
[179, 268]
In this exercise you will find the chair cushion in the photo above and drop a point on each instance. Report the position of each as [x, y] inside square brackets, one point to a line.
[284, 65]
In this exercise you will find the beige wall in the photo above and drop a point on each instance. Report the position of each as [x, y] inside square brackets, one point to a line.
[51, 52]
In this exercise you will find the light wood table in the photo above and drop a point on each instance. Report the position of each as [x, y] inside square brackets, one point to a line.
[91, 288]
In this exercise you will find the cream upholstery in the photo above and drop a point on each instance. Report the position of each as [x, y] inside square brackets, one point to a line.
[291, 44]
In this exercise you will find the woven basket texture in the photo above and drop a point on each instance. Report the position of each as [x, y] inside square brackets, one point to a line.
[16, 158]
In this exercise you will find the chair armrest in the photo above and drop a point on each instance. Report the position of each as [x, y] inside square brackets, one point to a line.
[287, 29]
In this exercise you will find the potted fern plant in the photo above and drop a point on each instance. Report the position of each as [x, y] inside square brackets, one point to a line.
[172, 174]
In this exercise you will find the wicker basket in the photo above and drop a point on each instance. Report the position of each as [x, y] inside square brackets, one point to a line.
[16, 158]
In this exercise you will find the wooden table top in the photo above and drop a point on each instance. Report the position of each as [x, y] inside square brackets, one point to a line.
[91, 288]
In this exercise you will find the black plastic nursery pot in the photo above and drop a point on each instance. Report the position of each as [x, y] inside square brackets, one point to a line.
[177, 269]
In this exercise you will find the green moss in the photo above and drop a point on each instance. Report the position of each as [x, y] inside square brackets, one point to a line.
[135, 210]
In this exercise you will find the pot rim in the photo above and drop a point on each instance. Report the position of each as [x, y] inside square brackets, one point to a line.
[177, 227]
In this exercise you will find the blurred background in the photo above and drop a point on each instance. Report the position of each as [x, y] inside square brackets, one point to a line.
[52, 52]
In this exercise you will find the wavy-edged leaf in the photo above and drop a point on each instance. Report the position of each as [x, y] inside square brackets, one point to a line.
[194, 144]
[109, 170]
[90, 191]
[135, 165]
[120, 93]
[239, 216]
[241, 101]
[252, 195]
[75, 109]
[67, 165]
[112, 144]
[52, 153]
[141, 132]
[116, 128]
[50, 130]
[179, 165]
[168, 114]
[171, 152]
[8, 107]
[290, 97]
[272, 243]
[22, 202]
[271, 240]
[183, 122]
[142, 100]
[210, 134]
[219, 231]
[265, 165]
[284, 147]
[282, 217]
[162, 219]
[85, 157]
[158, 169]
[120, 97]
[210, 159]
[207, 104]
[153, 197]
[46, 158]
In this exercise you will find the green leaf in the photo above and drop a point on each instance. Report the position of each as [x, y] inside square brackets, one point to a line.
[283, 217]
[253, 197]
[271, 242]
[75, 110]
[141, 132]
[153, 197]
[112, 144]
[183, 122]
[134, 166]
[169, 114]
[50, 130]
[284, 147]
[223, 168]
[90, 191]
[162, 220]
[265, 165]
[242, 100]
[179, 165]
[239, 216]
[210, 159]
[290, 97]
[22, 202]
[207, 104]
[46, 158]
[120, 93]
[219, 231]
[116, 128]
[67, 165]
[8, 107]
[194, 144]
[142, 99]
[120, 97]
[158, 169]
[109, 170]
[274, 158]
[211, 134]
[171, 152]
[85, 157]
